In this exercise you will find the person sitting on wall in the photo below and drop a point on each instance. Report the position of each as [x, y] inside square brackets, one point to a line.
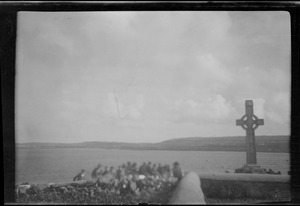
[149, 168]
[105, 171]
[154, 171]
[80, 176]
[111, 171]
[134, 169]
[166, 171]
[160, 169]
[118, 173]
[143, 169]
[96, 172]
[177, 171]
[128, 168]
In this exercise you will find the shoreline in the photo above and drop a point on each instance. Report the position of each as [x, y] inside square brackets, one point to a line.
[126, 149]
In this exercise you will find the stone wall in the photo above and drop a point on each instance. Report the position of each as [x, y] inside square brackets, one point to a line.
[246, 186]
[232, 188]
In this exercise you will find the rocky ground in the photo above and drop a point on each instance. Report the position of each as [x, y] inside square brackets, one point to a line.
[92, 193]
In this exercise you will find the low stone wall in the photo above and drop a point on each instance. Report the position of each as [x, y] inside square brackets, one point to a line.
[260, 187]
[231, 188]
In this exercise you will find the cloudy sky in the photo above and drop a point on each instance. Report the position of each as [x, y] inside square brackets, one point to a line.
[150, 76]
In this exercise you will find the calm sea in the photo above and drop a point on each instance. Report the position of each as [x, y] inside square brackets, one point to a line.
[61, 165]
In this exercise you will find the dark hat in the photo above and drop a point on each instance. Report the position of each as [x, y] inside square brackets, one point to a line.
[176, 163]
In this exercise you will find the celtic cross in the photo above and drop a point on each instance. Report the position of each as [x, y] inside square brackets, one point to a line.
[250, 122]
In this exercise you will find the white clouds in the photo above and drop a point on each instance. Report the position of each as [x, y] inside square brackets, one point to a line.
[213, 109]
[274, 116]
[105, 25]
[276, 109]
[218, 26]
[52, 34]
[213, 70]
[123, 107]
[111, 107]
[143, 73]
[283, 99]
[259, 108]
[220, 108]
[280, 108]
[263, 39]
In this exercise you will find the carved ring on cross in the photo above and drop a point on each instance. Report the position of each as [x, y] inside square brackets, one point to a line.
[251, 121]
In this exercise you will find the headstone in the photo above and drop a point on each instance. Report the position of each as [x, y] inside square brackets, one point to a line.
[250, 122]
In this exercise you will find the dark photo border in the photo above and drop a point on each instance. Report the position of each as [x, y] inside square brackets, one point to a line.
[8, 30]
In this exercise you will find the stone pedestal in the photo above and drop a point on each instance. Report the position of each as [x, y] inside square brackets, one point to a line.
[236, 188]
[256, 169]
[251, 168]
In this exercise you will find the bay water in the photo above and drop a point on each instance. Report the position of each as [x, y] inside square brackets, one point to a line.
[36, 165]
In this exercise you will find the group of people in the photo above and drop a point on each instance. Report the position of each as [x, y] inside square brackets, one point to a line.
[130, 177]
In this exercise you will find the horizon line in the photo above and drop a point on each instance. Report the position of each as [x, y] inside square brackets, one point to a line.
[145, 142]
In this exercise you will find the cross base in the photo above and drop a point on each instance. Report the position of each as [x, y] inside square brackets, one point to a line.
[251, 168]
[254, 166]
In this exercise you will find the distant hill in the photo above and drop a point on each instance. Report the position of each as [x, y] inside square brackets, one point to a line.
[279, 143]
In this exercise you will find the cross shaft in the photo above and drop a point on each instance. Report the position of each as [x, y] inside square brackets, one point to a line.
[250, 123]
